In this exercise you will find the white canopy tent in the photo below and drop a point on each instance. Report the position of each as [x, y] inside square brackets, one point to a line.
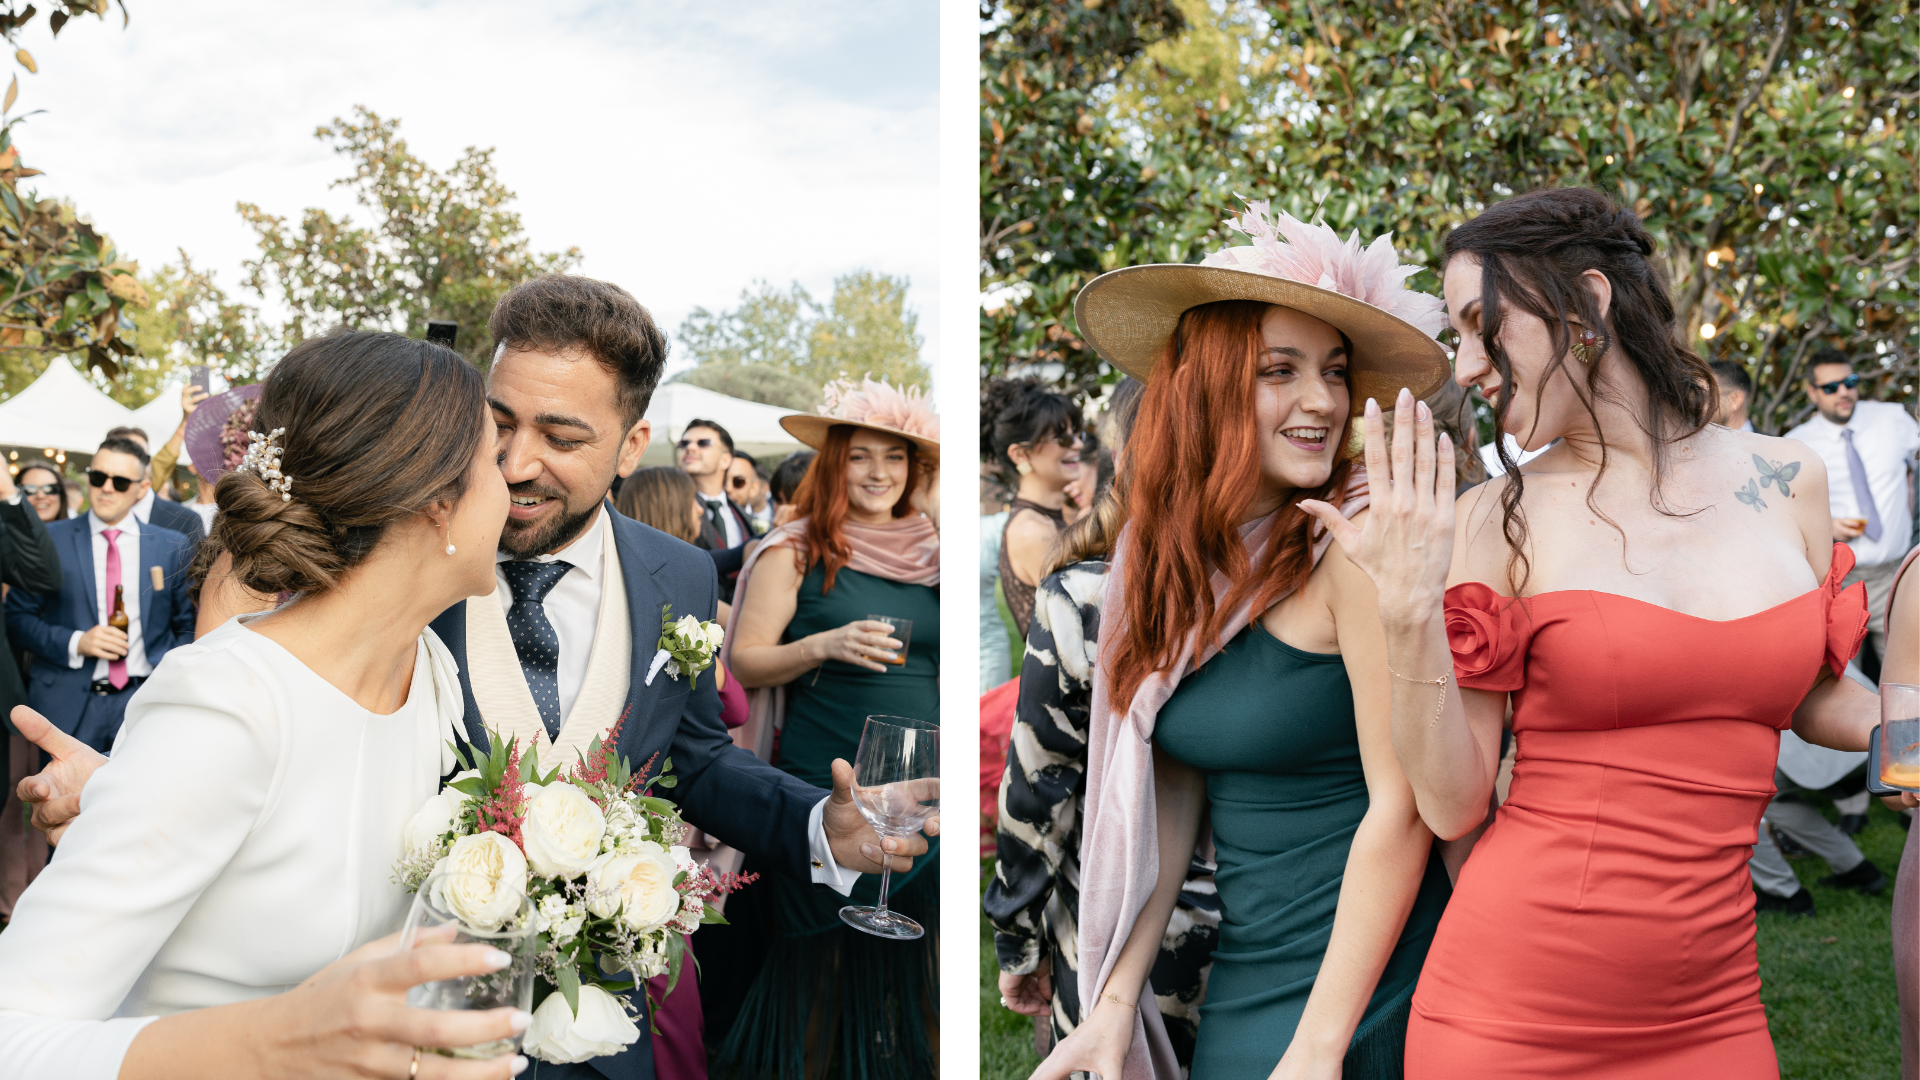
[63, 411]
[755, 427]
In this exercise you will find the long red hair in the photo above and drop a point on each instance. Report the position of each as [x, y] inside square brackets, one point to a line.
[1194, 457]
[822, 500]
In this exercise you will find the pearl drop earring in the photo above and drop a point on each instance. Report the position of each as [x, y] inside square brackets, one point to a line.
[450, 548]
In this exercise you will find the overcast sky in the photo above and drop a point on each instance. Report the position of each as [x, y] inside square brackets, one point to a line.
[687, 148]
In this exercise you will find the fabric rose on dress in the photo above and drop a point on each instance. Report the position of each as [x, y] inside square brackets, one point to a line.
[637, 881]
[562, 831]
[560, 1037]
[1846, 609]
[491, 879]
[1488, 651]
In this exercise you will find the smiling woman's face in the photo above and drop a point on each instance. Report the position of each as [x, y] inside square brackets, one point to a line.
[876, 475]
[1529, 347]
[1300, 401]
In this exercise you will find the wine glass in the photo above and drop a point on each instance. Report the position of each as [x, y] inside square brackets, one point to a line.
[896, 785]
[436, 917]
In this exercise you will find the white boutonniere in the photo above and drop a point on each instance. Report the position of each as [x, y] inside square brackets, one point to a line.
[687, 645]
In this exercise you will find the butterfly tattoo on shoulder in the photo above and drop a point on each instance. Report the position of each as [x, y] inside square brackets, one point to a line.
[1771, 473]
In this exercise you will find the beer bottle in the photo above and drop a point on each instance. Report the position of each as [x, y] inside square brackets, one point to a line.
[118, 620]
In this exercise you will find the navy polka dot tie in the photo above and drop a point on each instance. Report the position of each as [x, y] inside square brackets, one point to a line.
[533, 637]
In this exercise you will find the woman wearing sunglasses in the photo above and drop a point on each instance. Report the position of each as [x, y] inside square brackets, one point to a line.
[46, 491]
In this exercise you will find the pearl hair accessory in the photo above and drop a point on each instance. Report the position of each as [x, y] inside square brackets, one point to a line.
[263, 460]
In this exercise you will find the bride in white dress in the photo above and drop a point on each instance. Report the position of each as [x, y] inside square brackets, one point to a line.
[243, 834]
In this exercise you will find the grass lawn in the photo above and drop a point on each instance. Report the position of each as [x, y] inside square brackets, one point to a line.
[1827, 981]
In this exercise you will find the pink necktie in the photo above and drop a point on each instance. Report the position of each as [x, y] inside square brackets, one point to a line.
[116, 669]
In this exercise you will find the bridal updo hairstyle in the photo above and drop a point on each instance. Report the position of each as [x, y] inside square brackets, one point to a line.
[1532, 250]
[377, 427]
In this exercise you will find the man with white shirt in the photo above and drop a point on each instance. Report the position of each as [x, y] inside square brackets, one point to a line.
[706, 453]
[87, 669]
[1736, 388]
[1868, 448]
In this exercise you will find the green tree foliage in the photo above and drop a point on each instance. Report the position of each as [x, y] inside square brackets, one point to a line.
[63, 288]
[437, 245]
[781, 346]
[1769, 147]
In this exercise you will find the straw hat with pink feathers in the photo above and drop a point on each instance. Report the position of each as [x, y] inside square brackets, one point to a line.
[875, 405]
[1128, 315]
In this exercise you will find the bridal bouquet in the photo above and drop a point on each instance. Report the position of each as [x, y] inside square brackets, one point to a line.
[614, 889]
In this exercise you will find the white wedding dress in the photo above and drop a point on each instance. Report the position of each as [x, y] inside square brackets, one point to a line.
[241, 838]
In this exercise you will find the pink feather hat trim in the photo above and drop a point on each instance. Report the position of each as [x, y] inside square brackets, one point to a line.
[1286, 247]
[873, 404]
[1130, 315]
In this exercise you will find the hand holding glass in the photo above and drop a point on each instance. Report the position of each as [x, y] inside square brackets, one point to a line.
[896, 785]
[1898, 765]
[901, 630]
[433, 918]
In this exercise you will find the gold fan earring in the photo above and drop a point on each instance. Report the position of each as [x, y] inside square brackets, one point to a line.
[1590, 348]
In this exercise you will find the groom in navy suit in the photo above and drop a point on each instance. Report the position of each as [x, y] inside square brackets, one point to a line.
[575, 365]
[84, 671]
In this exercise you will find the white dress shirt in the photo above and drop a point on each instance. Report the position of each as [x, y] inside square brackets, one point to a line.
[1886, 438]
[206, 510]
[573, 608]
[128, 542]
[241, 837]
[144, 508]
[729, 524]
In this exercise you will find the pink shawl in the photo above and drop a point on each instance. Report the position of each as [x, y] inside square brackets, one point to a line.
[1119, 850]
[905, 549]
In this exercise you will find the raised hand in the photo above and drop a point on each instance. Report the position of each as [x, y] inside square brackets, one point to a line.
[1406, 545]
[54, 792]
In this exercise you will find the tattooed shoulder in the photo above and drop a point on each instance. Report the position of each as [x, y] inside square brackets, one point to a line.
[1772, 474]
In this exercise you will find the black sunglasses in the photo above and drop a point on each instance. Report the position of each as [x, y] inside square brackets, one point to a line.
[739, 481]
[1850, 382]
[96, 478]
[701, 443]
[41, 489]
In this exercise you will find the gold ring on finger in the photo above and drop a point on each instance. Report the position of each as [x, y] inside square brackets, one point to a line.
[413, 1071]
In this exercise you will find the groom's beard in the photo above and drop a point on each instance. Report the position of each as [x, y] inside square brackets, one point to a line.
[527, 542]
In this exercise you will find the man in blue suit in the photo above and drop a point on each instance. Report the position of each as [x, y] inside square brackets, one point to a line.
[564, 650]
[85, 670]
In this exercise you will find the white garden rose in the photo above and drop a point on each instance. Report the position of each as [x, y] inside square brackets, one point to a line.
[492, 879]
[716, 636]
[637, 881]
[433, 820]
[562, 831]
[559, 1037]
[689, 631]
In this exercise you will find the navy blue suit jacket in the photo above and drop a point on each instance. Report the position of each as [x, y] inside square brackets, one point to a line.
[43, 624]
[722, 789]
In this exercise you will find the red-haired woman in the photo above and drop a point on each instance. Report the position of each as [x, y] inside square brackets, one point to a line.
[864, 541]
[1242, 679]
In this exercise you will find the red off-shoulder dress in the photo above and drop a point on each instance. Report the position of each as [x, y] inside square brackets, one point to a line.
[1604, 925]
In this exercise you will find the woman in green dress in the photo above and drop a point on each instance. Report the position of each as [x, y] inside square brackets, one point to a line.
[830, 1000]
[1242, 681]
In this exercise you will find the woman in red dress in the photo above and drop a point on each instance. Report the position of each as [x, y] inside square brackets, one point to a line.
[1656, 597]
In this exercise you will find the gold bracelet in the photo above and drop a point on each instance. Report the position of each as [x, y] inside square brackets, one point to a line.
[1111, 997]
[1440, 706]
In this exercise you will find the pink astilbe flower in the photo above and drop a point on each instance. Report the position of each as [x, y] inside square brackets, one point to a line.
[592, 767]
[709, 884]
[879, 403]
[505, 809]
[1286, 247]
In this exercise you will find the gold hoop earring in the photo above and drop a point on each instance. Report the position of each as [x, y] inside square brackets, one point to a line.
[1589, 348]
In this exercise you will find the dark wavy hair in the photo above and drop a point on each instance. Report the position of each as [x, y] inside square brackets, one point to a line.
[1532, 250]
[1023, 411]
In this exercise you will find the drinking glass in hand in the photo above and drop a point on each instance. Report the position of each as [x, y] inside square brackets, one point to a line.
[454, 908]
[901, 630]
[1899, 762]
[896, 785]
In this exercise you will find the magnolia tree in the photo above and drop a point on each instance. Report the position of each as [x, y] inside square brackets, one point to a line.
[1769, 147]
